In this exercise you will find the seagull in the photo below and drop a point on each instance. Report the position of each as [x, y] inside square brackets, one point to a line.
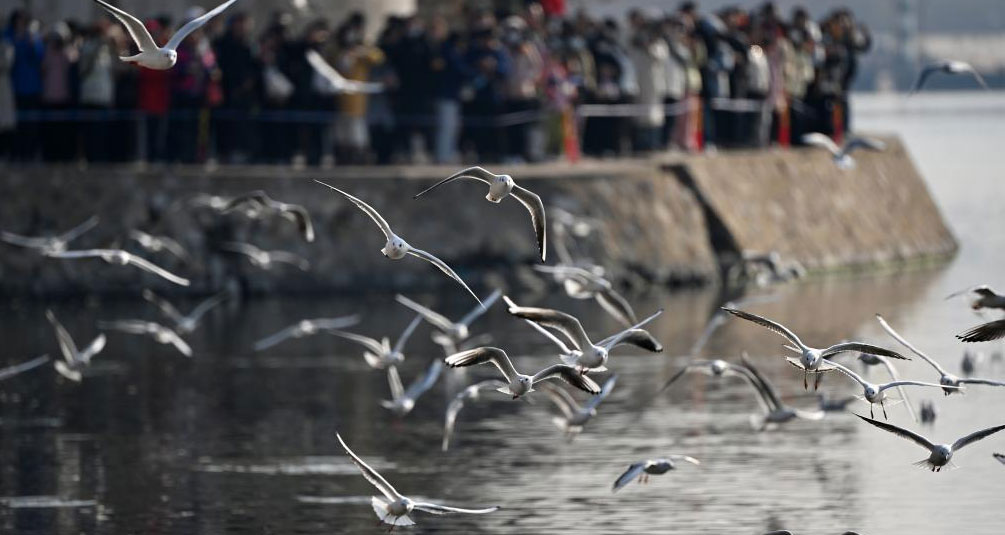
[951, 383]
[941, 454]
[775, 411]
[718, 319]
[876, 392]
[258, 203]
[122, 258]
[829, 404]
[842, 155]
[394, 508]
[986, 332]
[151, 56]
[948, 67]
[266, 259]
[184, 324]
[396, 248]
[584, 354]
[379, 354]
[714, 368]
[927, 412]
[336, 82]
[586, 284]
[968, 364]
[470, 393]
[11, 371]
[74, 360]
[501, 186]
[518, 383]
[764, 269]
[156, 244]
[50, 245]
[574, 417]
[403, 401]
[306, 327]
[160, 333]
[868, 360]
[643, 469]
[811, 359]
[986, 297]
[450, 334]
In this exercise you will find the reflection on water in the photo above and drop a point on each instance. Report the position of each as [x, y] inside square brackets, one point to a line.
[232, 441]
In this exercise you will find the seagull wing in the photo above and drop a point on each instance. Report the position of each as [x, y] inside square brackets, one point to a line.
[426, 381]
[863, 143]
[768, 324]
[636, 336]
[476, 173]
[339, 83]
[370, 344]
[302, 218]
[982, 289]
[209, 304]
[716, 321]
[903, 341]
[370, 474]
[150, 267]
[532, 202]
[901, 432]
[290, 258]
[766, 390]
[274, 339]
[456, 404]
[681, 373]
[685, 458]
[617, 306]
[129, 326]
[564, 323]
[133, 25]
[92, 349]
[845, 370]
[66, 345]
[367, 209]
[84, 253]
[986, 332]
[419, 253]
[478, 311]
[11, 371]
[977, 76]
[898, 384]
[165, 307]
[78, 230]
[407, 333]
[823, 141]
[974, 437]
[556, 340]
[481, 355]
[862, 348]
[180, 344]
[890, 369]
[434, 318]
[978, 381]
[569, 375]
[444, 510]
[923, 77]
[24, 241]
[561, 398]
[195, 24]
[394, 381]
[634, 470]
[604, 392]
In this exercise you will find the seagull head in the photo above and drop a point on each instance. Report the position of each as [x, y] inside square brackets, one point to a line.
[171, 56]
[593, 357]
[718, 367]
[395, 248]
[872, 393]
[500, 187]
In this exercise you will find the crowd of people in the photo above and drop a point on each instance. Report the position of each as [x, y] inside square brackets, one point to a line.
[526, 85]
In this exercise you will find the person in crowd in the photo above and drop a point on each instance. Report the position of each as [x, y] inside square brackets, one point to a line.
[57, 94]
[650, 56]
[96, 68]
[356, 60]
[8, 112]
[449, 73]
[153, 99]
[240, 81]
[274, 132]
[491, 65]
[522, 87]
[26, 79]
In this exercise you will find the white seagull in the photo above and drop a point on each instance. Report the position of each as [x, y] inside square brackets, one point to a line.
[156, 244]
[580, 283]
[985, 297]
[394, 508]
[655, 467]
[585, 354]
[941, 454]
[574, 417]
[951, 383]
[776, 412]
[266, 259]
[713, 368]
[379, 354]
[396, 248]
[160, 334]
[257, 203]
[50, 245]
[122, 258]
[184, 323]
[501, 186]
[811, 359]
[74, 360]
[11, 371]
[985, 332]
[152, 56]
[948, 67]
[403, 401]
[450, 334]
[876, 360]
[470, 393]
[306, 327]
[336, 82]
[518, 383]
[842, 155]
[876, 392]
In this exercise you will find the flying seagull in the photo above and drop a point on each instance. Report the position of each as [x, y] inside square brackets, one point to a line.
[643, 469]
[985, 297]
[184, 323]
[379, 354]
[574, 417]
[950, 382]
[155, 244]
[587, 284]
[403, 401]
[122, 258]
[941, 454]
[450, 334]
[306, 327]
[842, 155]
[74, 360]
[518, 383]
[948, 67]
[470, 393]
[336, 82]
[775, 411]
[394, 508]
[396, 248]
[11, 371]
[50, 245]
[714, 368]
[160, 333]
[891, 370]
[585, 354]
[811, 359]
[266, 260]
[876, 392]
[501, 186]
[258, 203]
[152, 56]
[986, 332]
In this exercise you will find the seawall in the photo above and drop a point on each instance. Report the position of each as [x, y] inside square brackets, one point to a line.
[665, 221]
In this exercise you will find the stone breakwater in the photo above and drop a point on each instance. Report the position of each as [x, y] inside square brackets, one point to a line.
[665, 221]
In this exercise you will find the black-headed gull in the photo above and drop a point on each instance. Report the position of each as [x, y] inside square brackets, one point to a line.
[714, 368]
[948, 67]
[811, 360]
[306, 327]
[184, 323]
[519, 384]
[585, 354]
[776, 412]
[122, 258]
[155, 244]
[574, 416]
[50, 245]
[152, 56]
[266, 260]
[74, 360]
[842, 155]
[985, 332]
[380, 354]
[450, 334]
[500, 187]
[985, 297]
[581, 283]
[470, 393]
[876, 392]
[403, 401]
[651, 467]
[21, 367]
[397, 248]
[160, 334]
[257, 204]
[336, 83]
[940, 454]
[394, 507]
[952, 383]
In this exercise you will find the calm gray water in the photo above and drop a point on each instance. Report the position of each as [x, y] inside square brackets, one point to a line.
[226, 442]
